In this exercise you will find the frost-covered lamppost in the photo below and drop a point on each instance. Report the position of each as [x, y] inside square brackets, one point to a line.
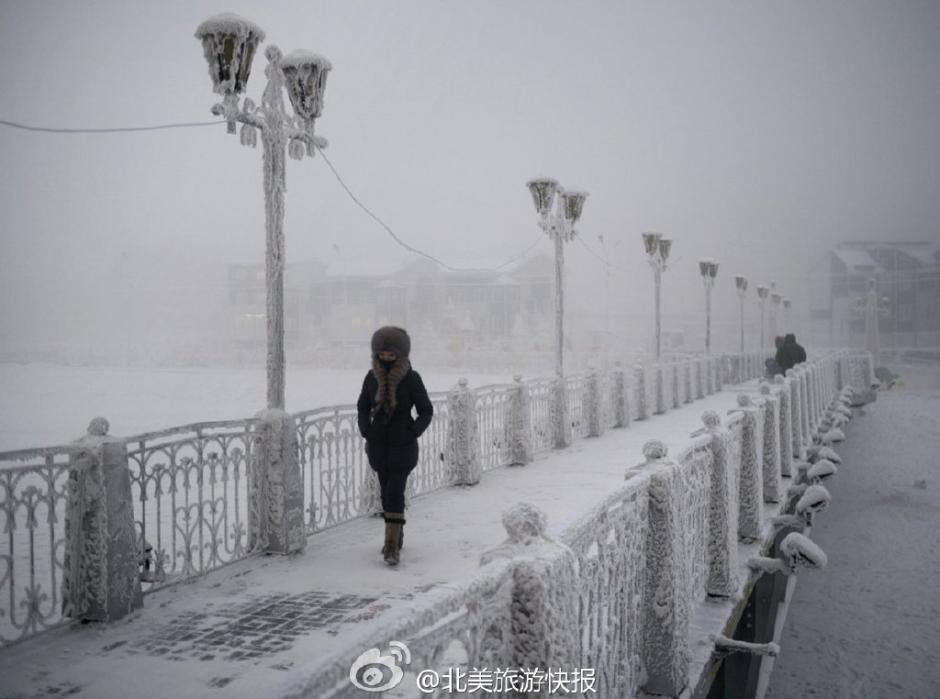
[871, 308]
[775, 299]
[709, 270]
[229, 43]
[557, 216]
[657, 252]
[740, 283]
[762, 292]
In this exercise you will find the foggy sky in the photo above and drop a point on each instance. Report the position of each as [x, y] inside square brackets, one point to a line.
[756, 133]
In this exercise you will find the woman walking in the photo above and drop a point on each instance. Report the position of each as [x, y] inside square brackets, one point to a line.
[389, 392]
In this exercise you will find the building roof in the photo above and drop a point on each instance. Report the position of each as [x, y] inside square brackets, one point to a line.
[864, 255]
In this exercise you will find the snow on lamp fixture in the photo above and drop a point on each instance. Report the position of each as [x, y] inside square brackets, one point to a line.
[573, 204]
[229, 43]
[651, 242]
[664, 245]
[543, 191]
[305, 75]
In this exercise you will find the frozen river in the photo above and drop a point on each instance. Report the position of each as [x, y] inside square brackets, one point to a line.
[867, 625]
[47, 404]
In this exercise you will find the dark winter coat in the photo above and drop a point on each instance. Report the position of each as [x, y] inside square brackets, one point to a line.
[794, 349]
[783, 359]
[392, 440]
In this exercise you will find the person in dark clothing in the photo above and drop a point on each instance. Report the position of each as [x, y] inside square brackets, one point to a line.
[794, 350]
[389, 392]
[781, 361]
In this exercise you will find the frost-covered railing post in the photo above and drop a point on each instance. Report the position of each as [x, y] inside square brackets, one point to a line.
[639, 385]
[276, 502]
[687, 380]
[593, 409]
[699, 378]
[660, 392]
[804, 407]
[462, 437]
[796, 416]
[722, 509]
[100, 572]
[776, 435]
[719, 373]
[619, 397]
[666, 584]
[560, 414]
[520, 423]
[675, 401]
[751, 482]
[858, 373]
[544, 631]
[811, 396]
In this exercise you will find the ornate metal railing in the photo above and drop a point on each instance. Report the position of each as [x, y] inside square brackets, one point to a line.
[333, 464]
[33, 495]
[434, 468]
[540, 410]
[492, 409]
[693, 477]
[455, 630]
[191, 488]
[605, 386]
[575, 387]
[610, 544]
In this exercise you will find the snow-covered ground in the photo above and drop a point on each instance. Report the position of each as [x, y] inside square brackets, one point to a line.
[867, 625]
[48, 404]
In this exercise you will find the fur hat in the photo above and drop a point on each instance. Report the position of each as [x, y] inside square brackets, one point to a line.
[391, 339]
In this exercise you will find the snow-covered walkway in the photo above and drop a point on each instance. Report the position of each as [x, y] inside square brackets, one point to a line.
[261, 625]
[867, 626]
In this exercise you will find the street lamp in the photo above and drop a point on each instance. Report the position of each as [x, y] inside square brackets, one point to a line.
[787, 319]
[657, 252]
[557, 216]
[709, 270]
[762, 292]
[229, 43]
[775, 299]
[740, 283]
[872, 309]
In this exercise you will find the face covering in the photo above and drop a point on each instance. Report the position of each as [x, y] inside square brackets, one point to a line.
[387, 364]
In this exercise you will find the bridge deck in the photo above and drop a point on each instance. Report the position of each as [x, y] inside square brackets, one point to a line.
[262, 625]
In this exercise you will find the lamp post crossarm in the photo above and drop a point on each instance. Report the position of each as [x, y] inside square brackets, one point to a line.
[250, 114]
[657, 262]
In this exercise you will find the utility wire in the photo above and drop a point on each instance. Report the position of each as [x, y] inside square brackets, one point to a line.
[590, 250]
[44, 129]
[155, 127]
[405, 245]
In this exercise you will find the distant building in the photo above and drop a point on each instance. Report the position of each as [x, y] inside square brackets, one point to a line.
[328, 305]
[908, 279]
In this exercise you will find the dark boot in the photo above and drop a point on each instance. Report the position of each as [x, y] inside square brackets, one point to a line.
[393, 537]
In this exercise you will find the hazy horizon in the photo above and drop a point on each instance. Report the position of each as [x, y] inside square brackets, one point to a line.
[759, 135]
